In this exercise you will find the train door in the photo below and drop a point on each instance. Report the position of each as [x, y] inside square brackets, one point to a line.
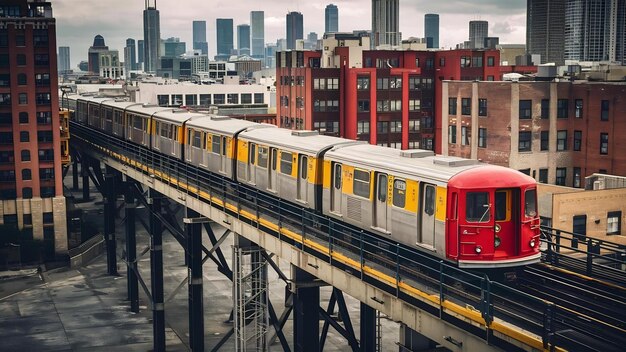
[303, 167]
[427, 214]
[251, 167]
[507, 204]
[476, 223]
[380, 204]
[223, 154]
[335, 189]
[271, 179]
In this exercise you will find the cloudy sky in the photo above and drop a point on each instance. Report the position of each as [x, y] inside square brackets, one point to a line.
[78, 21]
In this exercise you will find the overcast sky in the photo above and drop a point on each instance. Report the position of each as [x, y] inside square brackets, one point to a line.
[78, 21]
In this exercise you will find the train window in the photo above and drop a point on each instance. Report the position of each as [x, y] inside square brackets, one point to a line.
[274, 159]
[262, 157]
[251, 154]
[399, 193]
[501, 205]
[285, 163]
[477, 207]
[138, 122]
[165, 130]
[530, 203]
[361, 185]
[429, 201]
[215, 144]
[304, 166]
[382, 187]
[197, 140]
[337, 176]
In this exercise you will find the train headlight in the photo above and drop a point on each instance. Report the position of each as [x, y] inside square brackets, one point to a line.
[478, 249]
[497, 242]
[532, 243]
[498, 227]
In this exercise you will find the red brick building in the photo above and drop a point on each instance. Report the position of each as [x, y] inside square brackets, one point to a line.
[31, 192]
[385, 97]
[557, 132]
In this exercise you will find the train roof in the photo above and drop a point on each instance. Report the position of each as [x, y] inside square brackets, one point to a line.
[309, 142]
[418, 163]
[225, 125]
[146, 109]
[177, 116]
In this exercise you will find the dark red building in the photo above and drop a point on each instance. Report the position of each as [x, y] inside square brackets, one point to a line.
[31, 189]
[386, 97]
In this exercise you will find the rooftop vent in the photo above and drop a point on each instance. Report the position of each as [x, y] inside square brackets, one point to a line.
[416, 153]
[148, 105]
[178, 111]
[302, 133]
[219, 118]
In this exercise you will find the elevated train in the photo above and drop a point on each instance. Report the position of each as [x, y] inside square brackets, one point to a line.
[473, 214]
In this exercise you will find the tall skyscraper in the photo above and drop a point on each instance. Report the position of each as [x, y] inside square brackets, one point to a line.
[130, 58]
[594, 30]
[93, 55]
[257, 34]
[151, 37]
[478, 31]
[174, 47]
[224, 28]
[331, 19]
[431, 30]
[386, 22]
[199, 37]
[295, 28]
[31, 186]
[64, 59]
[243, 39]
[140, 54]
[545, 29]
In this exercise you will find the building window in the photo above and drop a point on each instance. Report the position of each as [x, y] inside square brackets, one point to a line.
[5, 99]
[490, 61]
[561, 174]
[545, 108]
[42, 79]
[482, 138]
[26, 175]
[442, 61]
[319, 83]
[27, 193]
[525, 171]
[604, 143]
[579, 225]
[414, 126]
[363, 106]
[578, 137]
[22, 79]
[576, 181]
[246, 98]
[42, 60]
[22, 98]
[43, 98]
[363, 83]
[561, 140]
[525, 109]
[382, 83]
[219, 99]
[24, 137]
[44, 136]
[465, 136]
[604, 111]
[40, 37]
[190, 99]
[466, 106]
[614, 223]
[490, 78]
[477, 61]
[452, 106]
[233, 98]
[545, 140]
[332, 83]
[466, 61]
[363, 127]
[562, 106]
[25, 155]
[525, 138]
[46, 174]
[430, 64]
[414, 83]
[578, 104]
[259, 98]
[414, 105]
[543, 175]
[482, 107]
[5, 80]
[23, 117]
[452, 134]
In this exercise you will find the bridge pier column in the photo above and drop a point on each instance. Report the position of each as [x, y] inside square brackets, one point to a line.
[131, 248]
[110, 212]
[75, 175]
[193, 231]
[412, 340]
[368, 328]
[306, 302]
[84, 167]
[156, 273]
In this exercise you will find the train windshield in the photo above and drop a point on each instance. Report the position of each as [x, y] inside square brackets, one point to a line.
[477, 207]
[530, 203]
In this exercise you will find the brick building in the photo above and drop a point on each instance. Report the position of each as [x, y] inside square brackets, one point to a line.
[31, 192]
[386, 97]
[557, 132]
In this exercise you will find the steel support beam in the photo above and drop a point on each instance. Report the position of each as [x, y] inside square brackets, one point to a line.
[368, 328]
[109, 223]
[75, 175]
[306, 302]
[156, 273]
[84, 166]
[131, 248]
[193, 232]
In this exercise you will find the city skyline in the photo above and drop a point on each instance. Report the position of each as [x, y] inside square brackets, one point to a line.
[76, 28]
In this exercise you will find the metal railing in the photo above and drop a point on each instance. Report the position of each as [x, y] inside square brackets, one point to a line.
[420, 279]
